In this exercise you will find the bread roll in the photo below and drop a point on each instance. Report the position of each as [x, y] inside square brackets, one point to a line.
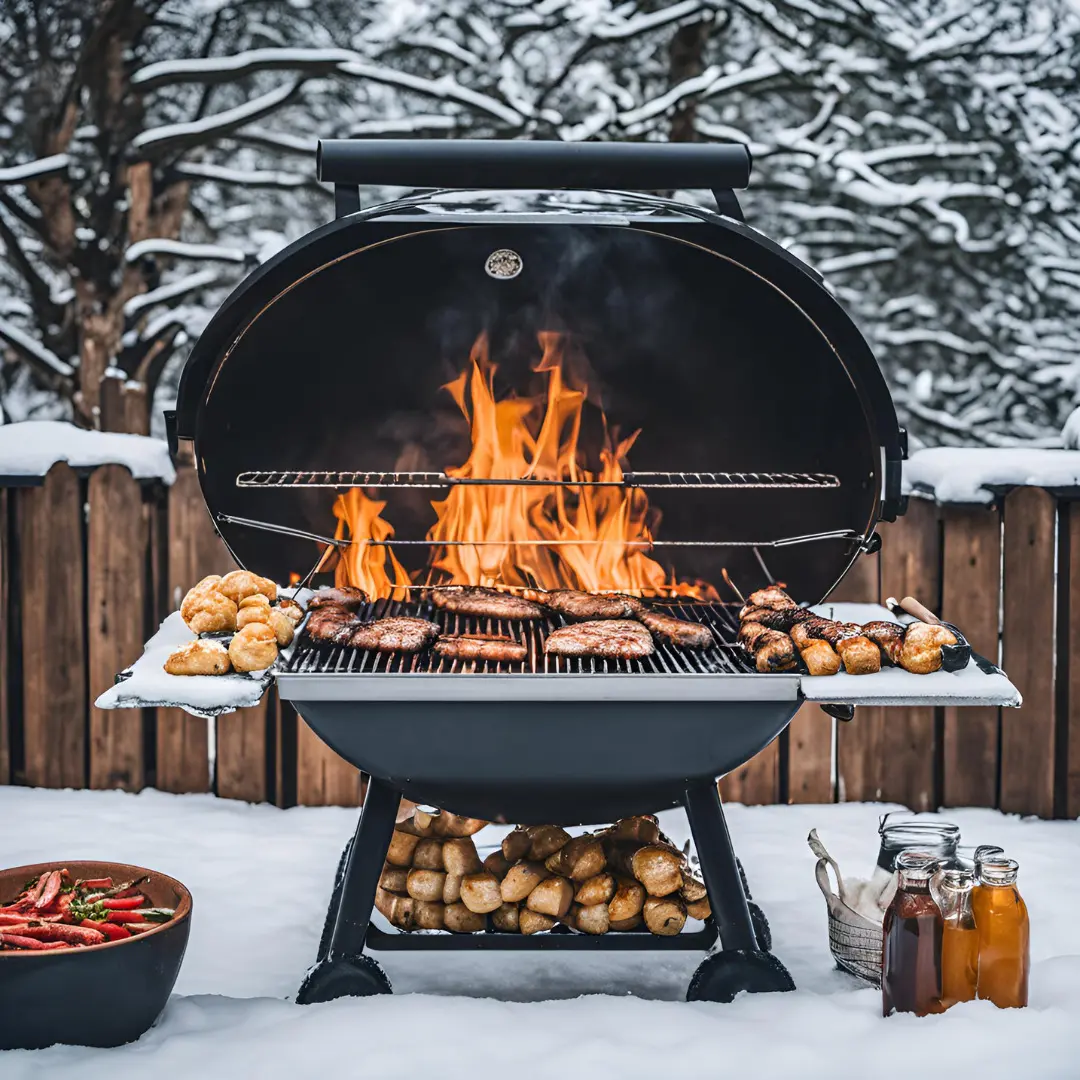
[198, 658]
[254, 648]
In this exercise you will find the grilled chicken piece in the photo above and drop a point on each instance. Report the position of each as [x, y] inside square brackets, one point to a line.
[680, 632]
[332, 624]
[344, 595]
[818, 655]
[782, 619]
[583, 605]
[476, 600]
[771, 597]
[773, 651]
[859, 654]
[481, 647]
[398, 633]
[616, 639]
[921, 653]
[888, 636]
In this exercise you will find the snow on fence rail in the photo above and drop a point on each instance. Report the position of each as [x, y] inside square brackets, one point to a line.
[93, 558]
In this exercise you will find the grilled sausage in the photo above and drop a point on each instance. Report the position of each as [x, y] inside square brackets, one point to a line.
[481, 647]
[680, 632]
[346, 596]
[476, 600]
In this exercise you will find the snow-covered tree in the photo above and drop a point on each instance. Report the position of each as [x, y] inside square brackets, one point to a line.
[923, 155]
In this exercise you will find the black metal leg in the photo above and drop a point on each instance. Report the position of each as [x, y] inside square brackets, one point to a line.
[344, 970]
[718, 866]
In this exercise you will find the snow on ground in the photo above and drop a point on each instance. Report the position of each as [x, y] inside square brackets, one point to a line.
[34, 446]
[967, 474]
[261, 878]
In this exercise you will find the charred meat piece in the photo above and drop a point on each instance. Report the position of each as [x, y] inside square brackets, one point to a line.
[344, 595]
[859, 654]
[332, 624]
[583, 605]
[888, 636]
[782, 619]
[616, 639]
[680, 632]
[818, 655]
[481, 647]
[476, 600]
[771, 597]
[771, 649]
[398, 633]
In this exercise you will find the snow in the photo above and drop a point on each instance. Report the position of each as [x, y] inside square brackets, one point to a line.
[34, 170]
[28, 343]
[969, 474]
[161, 246]
[237, 65]
[31, 448]
[171, 291]
[231, 1013]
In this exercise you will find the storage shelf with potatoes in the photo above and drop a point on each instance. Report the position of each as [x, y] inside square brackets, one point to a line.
[628, 877]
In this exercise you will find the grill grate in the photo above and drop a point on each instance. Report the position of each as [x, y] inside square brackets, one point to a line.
[712, 480]
[725, 658]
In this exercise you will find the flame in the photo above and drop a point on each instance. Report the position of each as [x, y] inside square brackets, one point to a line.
[365, 564]
[532, 536]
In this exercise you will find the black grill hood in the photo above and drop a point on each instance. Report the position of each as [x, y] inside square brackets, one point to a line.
[725, 350]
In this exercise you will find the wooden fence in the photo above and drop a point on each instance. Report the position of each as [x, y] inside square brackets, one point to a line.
[91, 563]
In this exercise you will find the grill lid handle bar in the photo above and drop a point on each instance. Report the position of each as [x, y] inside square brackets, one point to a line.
[533, 164]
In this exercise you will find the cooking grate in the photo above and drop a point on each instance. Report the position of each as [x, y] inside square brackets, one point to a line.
[330, 479]
[725, 658]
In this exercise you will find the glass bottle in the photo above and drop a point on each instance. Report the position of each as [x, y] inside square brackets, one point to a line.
[912, 931]
[1004, 934]
[959, 939]
[904, 830]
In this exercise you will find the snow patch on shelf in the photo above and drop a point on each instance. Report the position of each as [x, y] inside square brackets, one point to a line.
[970, 474]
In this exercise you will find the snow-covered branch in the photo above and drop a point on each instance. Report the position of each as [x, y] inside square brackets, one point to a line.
[182, 250]
[217, 69]
[32, 350]
[54, 165]
[173, 291]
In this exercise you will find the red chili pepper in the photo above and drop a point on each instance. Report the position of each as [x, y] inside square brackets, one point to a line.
[18, 941]
[95, 883]
[49, 892]
[124, 903]
[111, 930]
[124, 916]
[75, 935]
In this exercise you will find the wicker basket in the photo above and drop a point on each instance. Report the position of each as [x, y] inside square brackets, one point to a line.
[854, 940]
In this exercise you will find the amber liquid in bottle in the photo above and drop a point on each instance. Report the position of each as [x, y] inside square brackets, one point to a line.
[1004, 935]
[912, 931]
[959, 939]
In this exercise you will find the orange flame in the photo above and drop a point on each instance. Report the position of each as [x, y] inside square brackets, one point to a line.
[532, 536]
[364, 564]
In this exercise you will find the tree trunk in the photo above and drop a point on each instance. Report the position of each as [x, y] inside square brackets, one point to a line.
[687, 59]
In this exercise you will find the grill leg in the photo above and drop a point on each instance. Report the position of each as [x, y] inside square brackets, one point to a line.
[344, 971]
[719, 866]
[741, 965]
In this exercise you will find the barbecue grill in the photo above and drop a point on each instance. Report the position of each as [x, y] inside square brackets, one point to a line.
[321, 373]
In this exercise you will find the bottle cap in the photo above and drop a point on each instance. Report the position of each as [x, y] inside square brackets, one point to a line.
[916, 865]
[997, 870]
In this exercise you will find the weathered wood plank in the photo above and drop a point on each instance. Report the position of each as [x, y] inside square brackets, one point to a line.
[117, 551]
[758, 781]
[194, 550]
[1028, 734]
[890, 753]
[811, 736]
[51, 557]
[241, 761]
[1071, 808]
[5, 621]
[323, 778]
[970, 592]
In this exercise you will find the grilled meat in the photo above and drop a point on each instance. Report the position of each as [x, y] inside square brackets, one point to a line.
[398, 633]
[583, 605]
[344, 595]
[771, 597]
[818, 655]
[921, 653]
[680, 632]
[332, 624]
[481, 647]
[888, 636]
[616, 639]
[772, 650]
[859, 654]
[782, 619]
[476, 600]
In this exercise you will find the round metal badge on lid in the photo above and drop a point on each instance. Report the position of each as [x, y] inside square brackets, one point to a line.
[503, 264]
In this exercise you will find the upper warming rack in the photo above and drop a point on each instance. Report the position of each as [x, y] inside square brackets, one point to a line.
[655, 480]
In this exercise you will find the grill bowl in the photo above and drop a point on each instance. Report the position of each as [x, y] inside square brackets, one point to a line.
[99, 995]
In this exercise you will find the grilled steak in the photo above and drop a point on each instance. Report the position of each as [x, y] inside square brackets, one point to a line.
[344, 595]
[481, 647]
[771, 597]
[476, 600]
[332, 624]
[583, 605]
[398, 633]
[616, 639]
[680, 632]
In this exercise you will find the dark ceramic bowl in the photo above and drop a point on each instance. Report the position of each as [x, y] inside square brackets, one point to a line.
[97, 995]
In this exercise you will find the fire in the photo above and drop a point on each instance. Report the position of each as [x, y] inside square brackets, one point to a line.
[365, 564]
[546, 536]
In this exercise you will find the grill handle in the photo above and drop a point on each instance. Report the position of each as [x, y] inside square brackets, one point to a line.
[532, 164]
